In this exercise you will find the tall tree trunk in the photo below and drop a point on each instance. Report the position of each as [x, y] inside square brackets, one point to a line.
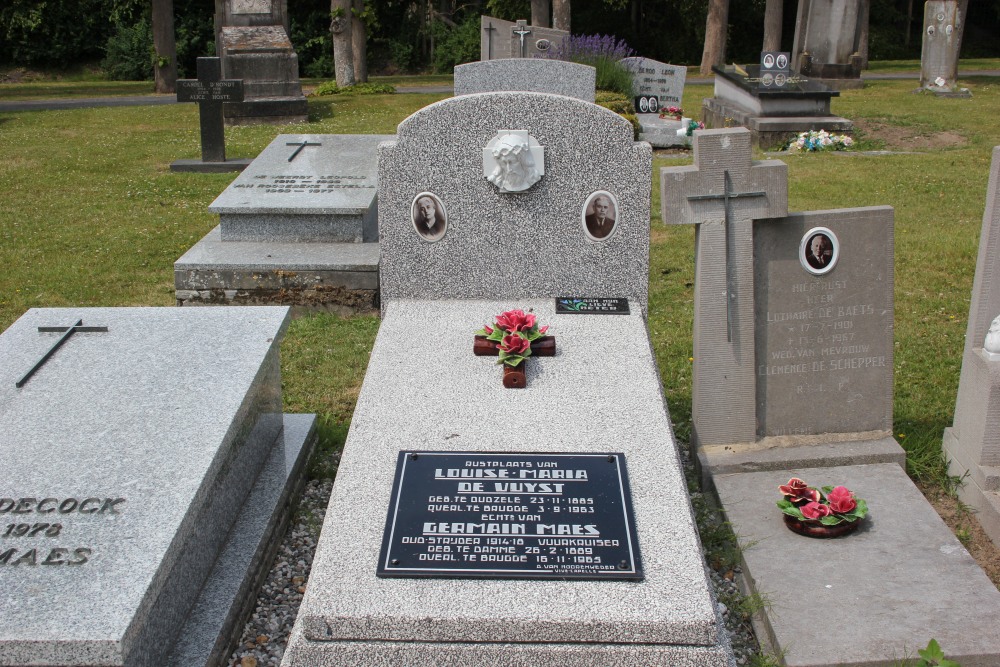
[909, 23]
[715, 35]
[540, 10]
[774, 12]
[864, 11]
[963, 7]
[359, 43]
[343, 54]
[560, 14]
[165, 47]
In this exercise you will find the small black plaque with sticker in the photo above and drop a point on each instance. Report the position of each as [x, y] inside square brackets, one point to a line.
[591, 306]
[502, 515]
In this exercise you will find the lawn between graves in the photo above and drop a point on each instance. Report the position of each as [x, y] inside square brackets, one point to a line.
[92, 216]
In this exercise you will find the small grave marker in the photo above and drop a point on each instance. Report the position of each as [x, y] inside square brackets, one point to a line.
[211, 92]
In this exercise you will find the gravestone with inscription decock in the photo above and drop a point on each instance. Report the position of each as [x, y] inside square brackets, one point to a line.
[298, 226]
[476, 524]
[133, 440]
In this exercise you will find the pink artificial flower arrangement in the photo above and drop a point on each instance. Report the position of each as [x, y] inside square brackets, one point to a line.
[830, 506]
[513, 333]
[672, 112]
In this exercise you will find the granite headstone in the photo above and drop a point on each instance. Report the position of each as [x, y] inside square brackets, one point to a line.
[128, 455]
[538, 75]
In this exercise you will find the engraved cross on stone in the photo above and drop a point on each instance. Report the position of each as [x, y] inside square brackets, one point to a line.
[66, 333]
[301, 144]
[723, 193]
[521, 29]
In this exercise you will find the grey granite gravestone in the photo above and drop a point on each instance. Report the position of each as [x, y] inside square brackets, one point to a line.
[516, 39]
[129, 454]
[940, 46]
[210, 91]
[537, 75]
[807, 375]
[251, 37]
[773, 109]
[657, 86]
[533, 241]
[972, 444]
[298, 226]
[349, 616]
[826, 44]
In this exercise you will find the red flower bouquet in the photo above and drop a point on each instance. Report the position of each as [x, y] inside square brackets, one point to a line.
[825, 512]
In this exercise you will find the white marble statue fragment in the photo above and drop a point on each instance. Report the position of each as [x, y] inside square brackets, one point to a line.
[991, 346]
[513, 161]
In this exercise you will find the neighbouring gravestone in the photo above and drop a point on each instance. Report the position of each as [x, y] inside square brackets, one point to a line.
[773, 108]
[299, 226]
[537, 75]
[656, 87]
[827, 41]
[516, 39]
[251, 37]
[972, 444]
[512, 219]
[210, 91]
[130, 452]
[939, 55]
[793, 316]
[803, 389]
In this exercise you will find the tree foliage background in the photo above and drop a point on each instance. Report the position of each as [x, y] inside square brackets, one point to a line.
[432, 35]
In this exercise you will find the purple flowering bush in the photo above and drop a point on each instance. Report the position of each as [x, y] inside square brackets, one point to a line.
[604, 53]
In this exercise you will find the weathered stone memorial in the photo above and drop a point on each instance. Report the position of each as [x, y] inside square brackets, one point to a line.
[939, 55]
[516, 39]
[474, 524]
[536, 75]
[657, 86]
[299, 226]
[793, 356]
[251, 37]
[972, 444]
[827, 42]
[147, 470]
[773, 109]
[210, 91]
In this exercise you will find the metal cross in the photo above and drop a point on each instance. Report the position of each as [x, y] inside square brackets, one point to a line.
[522, 30]
[301, 145]
[66, 333]
[489, 40]
[727, 195]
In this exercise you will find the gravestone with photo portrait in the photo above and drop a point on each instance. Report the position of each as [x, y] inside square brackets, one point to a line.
[656, 88]
[444, 543]
[501, 39]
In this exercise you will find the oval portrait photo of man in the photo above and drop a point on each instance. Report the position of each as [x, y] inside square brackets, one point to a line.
[429, 217]
[819, 251]
[600, 215]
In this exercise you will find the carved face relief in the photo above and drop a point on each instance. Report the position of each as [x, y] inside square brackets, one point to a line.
[513, 161]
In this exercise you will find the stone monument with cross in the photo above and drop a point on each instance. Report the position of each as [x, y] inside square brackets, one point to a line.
[793, 316]
[506, 39]
[211, 92]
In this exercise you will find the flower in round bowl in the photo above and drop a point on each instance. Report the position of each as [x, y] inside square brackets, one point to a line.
[830, 511]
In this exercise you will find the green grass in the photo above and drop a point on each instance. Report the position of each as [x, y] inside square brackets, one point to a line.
[92, 216]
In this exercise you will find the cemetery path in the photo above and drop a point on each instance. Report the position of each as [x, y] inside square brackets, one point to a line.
[141, 100]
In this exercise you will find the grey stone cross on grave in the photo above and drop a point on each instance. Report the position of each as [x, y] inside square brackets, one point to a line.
[723, 193]
[66, 333]
[489, 40]
[521, 30]
[211, 91]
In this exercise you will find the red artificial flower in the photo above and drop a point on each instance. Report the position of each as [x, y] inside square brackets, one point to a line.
[488, 329]
[798, 492]
[514, 344]
[543, 329]
[841, 500]
[815, 510]
[515, 320]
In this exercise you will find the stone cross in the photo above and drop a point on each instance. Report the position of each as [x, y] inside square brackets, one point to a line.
[211, 91]
[723, 193]
[301, 144]
[521, 30]
[66, 333]
[489, 40]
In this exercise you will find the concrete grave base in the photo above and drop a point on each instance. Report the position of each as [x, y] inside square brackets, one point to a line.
[981, 489]
[197, 166]
[662, 132]
[431, 392]
[769, 132]
[868, 599]
[330, 276]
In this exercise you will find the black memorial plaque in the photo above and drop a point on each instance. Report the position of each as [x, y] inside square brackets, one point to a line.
[501, 515]
[591, 306]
